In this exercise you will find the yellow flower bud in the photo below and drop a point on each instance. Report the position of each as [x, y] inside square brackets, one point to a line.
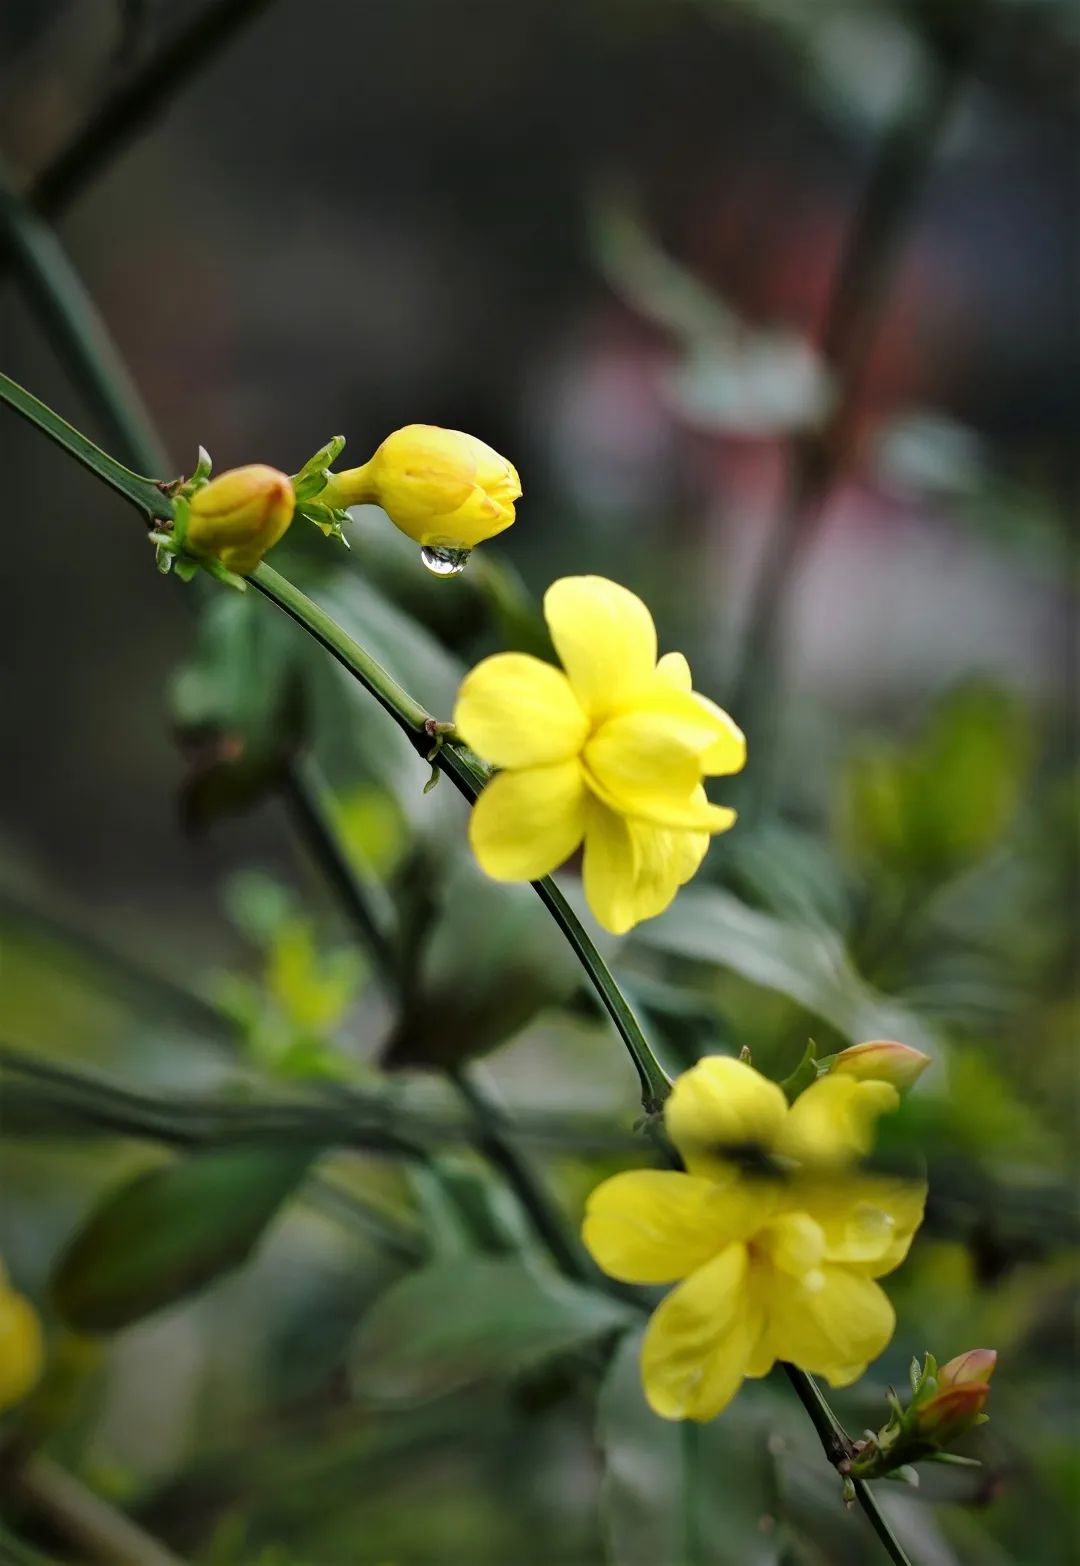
[240, 515]
[882, 1061]
[21, 1346]
[446, 490]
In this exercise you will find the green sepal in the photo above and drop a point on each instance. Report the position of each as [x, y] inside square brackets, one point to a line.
[328, 519]
[315, 466]
[219, 572]
[805, 1073]
[186, 567]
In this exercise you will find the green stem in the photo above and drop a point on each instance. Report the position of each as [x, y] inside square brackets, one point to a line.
[456, 761]
[58, 296]
[837, 1447]
[144, 493]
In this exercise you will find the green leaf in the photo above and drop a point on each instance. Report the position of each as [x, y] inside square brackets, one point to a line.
[472, 1319]
[933, 806]
[807, 963]
[170, 1232]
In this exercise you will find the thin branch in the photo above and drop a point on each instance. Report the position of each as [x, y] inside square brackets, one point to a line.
[134, 105]
[864, 276]
[67, 315]
[86, 1521]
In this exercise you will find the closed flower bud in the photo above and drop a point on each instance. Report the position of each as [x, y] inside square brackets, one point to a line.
[882, 1061]
[977, 1365]
[951, 1412]
[240, 515]
[446, 490]
[21, 1347]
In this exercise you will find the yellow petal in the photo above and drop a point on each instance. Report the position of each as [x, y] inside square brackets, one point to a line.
[665, 860]
[516, 711]
[722, 1103]
[701, 1339]
[632, 871]
[833, 1120]
[644, 764]
[605, 639]
[674, 671]
[868, 1221]
[609, 868]
[727, 753]
[654, 1225]
[525, 824]
[795, 1244]
[832, 1326]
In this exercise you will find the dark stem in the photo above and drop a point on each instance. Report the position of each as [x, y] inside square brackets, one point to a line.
[134, 105]
[863, 278]
[496, 1142]
[838, 1449]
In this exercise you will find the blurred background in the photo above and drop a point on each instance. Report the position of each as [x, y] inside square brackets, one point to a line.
[773, 304]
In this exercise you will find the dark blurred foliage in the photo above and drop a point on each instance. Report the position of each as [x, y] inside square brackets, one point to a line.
[604, 237]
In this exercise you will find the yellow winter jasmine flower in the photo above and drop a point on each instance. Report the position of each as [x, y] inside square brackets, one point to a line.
[609, 751]
[445, 489]
[21, 1346]
[773, 1238]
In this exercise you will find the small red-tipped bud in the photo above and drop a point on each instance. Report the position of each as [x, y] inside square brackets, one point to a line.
[977, 1365]
[882, 1060]
[950, 1413]
[240, 515]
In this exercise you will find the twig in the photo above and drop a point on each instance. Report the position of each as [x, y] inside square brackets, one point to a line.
[861, 286]
[139, 101]
[84, 1519]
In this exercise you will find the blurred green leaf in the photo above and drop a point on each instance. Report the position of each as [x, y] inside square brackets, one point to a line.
[489, 962]
[170, 1232]
[927, 809]
[472, 1319]
[808, 964]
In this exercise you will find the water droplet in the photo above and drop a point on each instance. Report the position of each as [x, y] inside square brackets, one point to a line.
[441, 560]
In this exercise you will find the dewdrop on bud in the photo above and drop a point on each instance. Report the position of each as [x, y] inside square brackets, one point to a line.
[238, 516]
[882, 1060]
[446, 490]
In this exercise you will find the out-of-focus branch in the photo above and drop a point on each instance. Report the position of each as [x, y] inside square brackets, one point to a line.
[97, 1530]
[139, 100]
[863, 279]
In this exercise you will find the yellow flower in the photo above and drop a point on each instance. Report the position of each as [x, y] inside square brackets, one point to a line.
[21, 1345]
[444, 489]
[773, 1238]
[611, 752]
[883, 1060]
[239, 515]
